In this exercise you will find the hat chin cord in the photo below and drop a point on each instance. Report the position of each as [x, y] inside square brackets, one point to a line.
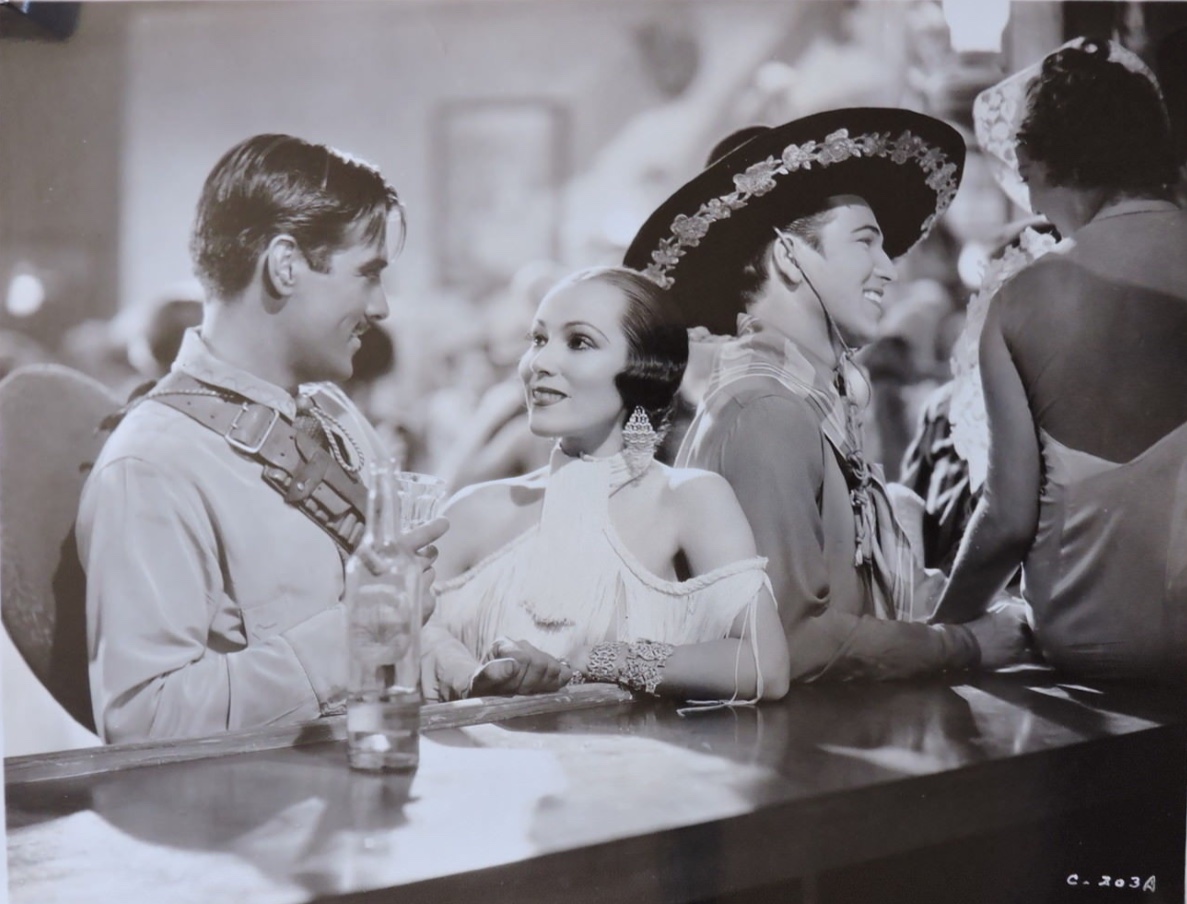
[842, 349]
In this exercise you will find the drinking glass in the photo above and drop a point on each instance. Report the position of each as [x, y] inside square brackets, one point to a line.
[420, 498]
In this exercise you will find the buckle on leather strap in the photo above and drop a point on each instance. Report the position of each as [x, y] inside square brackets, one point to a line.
[240, 436]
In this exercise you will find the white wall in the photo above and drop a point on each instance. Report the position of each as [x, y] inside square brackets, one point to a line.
[364, 76]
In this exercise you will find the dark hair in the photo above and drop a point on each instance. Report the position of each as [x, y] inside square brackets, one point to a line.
[271, 185]
[657, 344]
[1093, 123]
[730, 288]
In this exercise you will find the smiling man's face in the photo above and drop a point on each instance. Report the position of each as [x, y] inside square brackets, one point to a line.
[851, 269]
[326, 318]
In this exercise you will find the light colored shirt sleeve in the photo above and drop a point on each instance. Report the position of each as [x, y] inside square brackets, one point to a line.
[771, 451]
[154, 587]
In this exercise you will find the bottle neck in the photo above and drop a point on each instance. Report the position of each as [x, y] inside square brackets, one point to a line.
[382, 531]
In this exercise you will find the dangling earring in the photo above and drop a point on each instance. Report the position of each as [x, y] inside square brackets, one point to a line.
[639, 441]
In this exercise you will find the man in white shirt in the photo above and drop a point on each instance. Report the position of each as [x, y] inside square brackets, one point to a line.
[214, 525]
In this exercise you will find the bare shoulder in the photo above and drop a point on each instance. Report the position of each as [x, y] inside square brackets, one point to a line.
[694, 489]
[713, 528]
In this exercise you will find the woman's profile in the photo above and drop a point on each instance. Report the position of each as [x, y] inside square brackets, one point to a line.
[605, 565]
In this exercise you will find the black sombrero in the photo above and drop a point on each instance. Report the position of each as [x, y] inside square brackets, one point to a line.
[907, 167]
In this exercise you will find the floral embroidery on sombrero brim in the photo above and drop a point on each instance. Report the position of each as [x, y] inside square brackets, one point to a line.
[941, 176]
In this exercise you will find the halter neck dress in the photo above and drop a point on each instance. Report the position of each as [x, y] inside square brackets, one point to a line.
[569, 581]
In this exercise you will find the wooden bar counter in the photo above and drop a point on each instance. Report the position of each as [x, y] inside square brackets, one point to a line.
[1007, 787]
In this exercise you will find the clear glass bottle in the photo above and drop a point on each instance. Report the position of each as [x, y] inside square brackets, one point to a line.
[383, 609]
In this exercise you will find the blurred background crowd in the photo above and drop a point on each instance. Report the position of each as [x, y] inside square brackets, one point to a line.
[526, 137]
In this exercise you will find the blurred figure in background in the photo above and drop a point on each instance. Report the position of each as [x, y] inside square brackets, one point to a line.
[497, 441]
[374, 364]
[95, 348]
[904, 365]
[18, 350]
[946, 461]
[152, 348]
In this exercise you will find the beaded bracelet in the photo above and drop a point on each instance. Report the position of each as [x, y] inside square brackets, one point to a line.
[641, 670]
[645, 661]
[601, 667]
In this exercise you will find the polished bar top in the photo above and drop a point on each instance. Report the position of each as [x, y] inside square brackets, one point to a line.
[601, 800]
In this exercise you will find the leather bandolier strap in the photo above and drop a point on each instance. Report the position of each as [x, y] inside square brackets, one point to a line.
[294, 463]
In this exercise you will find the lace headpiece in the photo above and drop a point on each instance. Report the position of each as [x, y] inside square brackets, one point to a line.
[998, 112]
[997, 115]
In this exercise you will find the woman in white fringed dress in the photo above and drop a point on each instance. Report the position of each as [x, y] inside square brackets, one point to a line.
[605, 565]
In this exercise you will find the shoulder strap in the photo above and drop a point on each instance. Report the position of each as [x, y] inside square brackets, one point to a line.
[294, 464]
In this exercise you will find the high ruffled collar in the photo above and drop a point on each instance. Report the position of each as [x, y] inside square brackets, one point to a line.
[568, 573]
[616, 468]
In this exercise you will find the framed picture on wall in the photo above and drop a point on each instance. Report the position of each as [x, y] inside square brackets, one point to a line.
[498, 165]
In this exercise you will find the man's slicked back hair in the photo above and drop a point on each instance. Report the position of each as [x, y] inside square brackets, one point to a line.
[272, 185]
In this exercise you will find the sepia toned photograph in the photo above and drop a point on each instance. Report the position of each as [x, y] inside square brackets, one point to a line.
[662, 451]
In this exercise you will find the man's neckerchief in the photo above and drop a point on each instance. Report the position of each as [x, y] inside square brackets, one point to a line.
[882, 552]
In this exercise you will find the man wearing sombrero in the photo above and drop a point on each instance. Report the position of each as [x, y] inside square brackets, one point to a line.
[784, 245]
